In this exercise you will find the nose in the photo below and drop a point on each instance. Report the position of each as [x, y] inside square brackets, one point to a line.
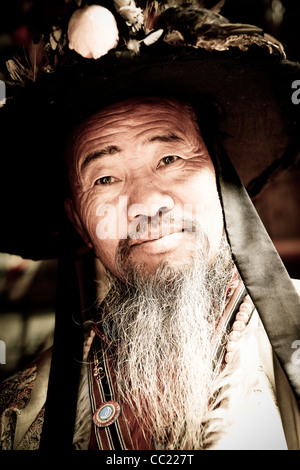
[147, 200]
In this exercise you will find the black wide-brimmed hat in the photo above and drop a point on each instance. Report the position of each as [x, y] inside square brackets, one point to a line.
[164, 49]
[157, 49]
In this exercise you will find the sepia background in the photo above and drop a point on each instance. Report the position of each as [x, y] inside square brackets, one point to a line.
[27, 288]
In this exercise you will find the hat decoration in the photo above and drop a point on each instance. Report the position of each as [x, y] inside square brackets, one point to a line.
[84, 30]
[92, 54]
[92, 31]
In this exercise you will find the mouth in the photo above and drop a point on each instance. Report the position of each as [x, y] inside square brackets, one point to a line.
[154, 236]
[162, 242]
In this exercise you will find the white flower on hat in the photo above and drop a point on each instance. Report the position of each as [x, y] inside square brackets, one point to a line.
[92, 31]
[130, 13]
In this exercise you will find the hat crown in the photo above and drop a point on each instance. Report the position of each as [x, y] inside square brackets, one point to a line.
[133, 28]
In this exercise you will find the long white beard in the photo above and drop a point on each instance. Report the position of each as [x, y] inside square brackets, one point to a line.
[162, 328]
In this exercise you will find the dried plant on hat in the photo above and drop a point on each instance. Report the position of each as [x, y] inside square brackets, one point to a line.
[194, 23]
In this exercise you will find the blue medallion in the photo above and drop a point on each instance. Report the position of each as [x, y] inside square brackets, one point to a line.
[106, 414]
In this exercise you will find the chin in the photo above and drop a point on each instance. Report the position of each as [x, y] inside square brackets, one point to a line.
[149, 265]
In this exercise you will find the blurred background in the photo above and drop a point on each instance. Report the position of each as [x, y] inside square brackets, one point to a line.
[27, 288]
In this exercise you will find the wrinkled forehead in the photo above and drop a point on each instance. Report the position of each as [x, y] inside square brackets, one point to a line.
[135, 107]
[137, 113]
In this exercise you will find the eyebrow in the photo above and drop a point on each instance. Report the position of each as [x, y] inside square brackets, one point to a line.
[113, 149]
[109, 150]
[170, 137]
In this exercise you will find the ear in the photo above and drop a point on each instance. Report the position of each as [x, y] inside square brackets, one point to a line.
[76, 221]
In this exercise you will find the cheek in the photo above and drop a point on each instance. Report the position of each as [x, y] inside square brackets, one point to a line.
[106, 252]
[103, 237]
[215, 226]
[101, 224]
[88, 208]
[204, 198]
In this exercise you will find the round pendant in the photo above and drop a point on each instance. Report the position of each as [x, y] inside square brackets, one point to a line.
[106, 414]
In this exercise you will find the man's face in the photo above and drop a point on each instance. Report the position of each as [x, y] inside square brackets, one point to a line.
[141, 175]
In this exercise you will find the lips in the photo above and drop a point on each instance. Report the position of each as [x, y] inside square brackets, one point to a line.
[154, 236]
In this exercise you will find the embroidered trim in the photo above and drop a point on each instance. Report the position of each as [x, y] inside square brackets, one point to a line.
[31, 439]
[241, 321]
[100, 377]
[224, 325]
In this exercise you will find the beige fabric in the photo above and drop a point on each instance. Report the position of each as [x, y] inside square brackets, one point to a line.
[285, 400]
[290, 413]
[289, 410]
[254, 422]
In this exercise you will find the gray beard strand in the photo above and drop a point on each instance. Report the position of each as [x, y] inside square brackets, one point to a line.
[162, 328]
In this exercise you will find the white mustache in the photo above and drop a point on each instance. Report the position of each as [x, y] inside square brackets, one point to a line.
[151, 228]
[162, 225]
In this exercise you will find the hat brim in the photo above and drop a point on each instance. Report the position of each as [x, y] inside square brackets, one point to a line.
[252, 91]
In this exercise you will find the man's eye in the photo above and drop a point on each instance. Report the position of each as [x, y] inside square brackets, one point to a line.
[105, 180]
[168, 160]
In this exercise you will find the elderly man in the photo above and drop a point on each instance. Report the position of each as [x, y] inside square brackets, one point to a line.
[171, 275]
[175, 356]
